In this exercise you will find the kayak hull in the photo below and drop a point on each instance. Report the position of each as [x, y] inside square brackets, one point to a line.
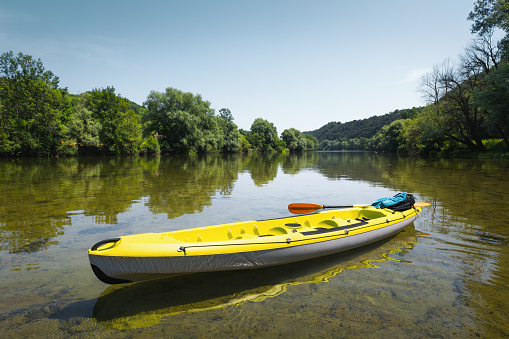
[244, 245]
[117, 269]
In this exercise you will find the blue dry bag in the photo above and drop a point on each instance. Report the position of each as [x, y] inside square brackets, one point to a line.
[399, 202]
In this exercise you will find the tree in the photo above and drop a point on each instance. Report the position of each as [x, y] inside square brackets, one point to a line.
[231, 137]
[150, 145]
[494, 98]
[225, 114]
[264, 136]
[461, 97]
[184, 122]
[244, 145]
[488, 15]
[84, 130]
[325, 145]
[312, 142]
[386, 139]
[294, 139]
[483, 54]
[129, 133]
[230, 140]
[33, 110]
[108, 109]
[450, 90]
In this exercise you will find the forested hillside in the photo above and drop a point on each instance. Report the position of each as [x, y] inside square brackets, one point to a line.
[467, 109]
[365, 128]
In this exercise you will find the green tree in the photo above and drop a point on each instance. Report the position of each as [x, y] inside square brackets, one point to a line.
[150, 145]
[325, 145]
[264, 136]
[428, 132]
[33, 110]
[84, 130]
[230, 139]
[488, 15]
[357, 144]
[226, 115]
[185, 122]
[450, 90]
[312, 142]
[129, 133]
[294, 139]
[495, 99]
[108, 109]
[245, 146]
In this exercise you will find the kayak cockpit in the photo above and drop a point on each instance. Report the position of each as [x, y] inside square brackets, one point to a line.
[275, 227]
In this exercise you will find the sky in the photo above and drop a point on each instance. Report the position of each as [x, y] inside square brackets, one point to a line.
[298, 64]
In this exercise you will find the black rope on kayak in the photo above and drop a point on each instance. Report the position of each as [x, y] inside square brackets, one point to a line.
[289, 240]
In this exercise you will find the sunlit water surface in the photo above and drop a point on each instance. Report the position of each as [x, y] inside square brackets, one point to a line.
[446, 275]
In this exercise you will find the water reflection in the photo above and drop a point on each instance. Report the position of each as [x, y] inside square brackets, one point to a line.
[40, 196]
[145, 303]
[56, 208]
[263, 168]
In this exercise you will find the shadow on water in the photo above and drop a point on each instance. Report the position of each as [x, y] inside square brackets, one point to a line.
[144, 304]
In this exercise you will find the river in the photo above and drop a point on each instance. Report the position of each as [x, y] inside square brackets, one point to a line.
[446, 275]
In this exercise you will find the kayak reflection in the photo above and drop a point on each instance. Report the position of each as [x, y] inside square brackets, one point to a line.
[144, 304]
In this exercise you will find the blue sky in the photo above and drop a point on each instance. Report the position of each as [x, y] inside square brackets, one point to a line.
[295, 63]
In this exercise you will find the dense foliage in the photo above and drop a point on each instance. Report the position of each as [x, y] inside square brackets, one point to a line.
[357, 134]
[467, 110]
[364, 128]
[37, 118]
[468, 102]
[33, 110]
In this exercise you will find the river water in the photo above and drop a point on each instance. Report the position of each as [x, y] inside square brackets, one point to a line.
[446, 275]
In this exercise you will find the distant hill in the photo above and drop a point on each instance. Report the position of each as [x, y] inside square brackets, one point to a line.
[365, 128]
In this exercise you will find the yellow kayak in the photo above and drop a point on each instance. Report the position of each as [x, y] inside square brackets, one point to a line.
[244, 245]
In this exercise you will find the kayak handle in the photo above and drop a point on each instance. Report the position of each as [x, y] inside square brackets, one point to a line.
[102, 242]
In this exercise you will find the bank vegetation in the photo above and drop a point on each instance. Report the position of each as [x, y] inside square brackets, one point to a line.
[466, 112]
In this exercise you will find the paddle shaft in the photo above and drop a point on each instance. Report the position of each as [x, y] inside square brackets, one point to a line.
[344, 206]
[301, 208]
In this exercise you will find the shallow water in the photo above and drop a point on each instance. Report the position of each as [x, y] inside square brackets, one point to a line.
[445, 275]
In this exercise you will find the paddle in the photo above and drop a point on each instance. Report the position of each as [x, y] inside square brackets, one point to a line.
[301, 208]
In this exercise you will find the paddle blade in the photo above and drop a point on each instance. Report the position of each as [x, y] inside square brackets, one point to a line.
[302, 208]
[422, 204]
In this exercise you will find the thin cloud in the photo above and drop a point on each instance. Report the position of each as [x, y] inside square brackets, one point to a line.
[413, 76]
